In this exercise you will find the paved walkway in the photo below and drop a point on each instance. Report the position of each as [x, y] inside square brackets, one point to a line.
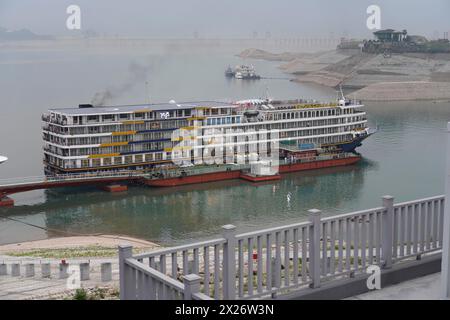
[16, 288]
[20, 288]
[423, 288]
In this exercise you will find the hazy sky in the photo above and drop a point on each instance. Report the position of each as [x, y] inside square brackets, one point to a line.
[226, 18]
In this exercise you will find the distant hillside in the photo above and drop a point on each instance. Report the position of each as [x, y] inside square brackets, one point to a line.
[21, 35]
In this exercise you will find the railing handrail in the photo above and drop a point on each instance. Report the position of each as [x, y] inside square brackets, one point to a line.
[256, 233]
[366, 211]
[407, 203]
[351, 214]
[184, 247]
[175, 284]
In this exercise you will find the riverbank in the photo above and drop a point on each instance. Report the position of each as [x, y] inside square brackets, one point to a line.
[368, 76]
[74, 247]
[397, 91]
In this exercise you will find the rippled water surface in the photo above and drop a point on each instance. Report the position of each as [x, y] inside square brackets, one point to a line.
[404, 159]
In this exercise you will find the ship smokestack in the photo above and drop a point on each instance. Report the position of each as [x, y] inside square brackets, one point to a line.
[83, 106]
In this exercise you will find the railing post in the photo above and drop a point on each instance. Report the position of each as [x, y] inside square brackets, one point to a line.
[387, 241]
[229, 262]
[314, 217]
[191, 285]
[3, 269]
[125, 252]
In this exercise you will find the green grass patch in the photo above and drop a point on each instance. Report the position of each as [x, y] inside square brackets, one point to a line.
[95, 294]
[76, 252]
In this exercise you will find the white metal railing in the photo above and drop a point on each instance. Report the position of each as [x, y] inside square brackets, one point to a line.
[158, 276]
[418, 227]
[203, 258]
[283, 259]
[162, 286]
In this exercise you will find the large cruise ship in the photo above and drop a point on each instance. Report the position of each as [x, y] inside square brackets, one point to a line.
[171, 141]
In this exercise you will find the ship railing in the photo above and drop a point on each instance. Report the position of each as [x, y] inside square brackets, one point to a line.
[68, 177]
[291, 258]
[330, 156]
[176, 172]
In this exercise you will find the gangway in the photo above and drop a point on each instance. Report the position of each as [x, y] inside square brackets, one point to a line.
[16, 185]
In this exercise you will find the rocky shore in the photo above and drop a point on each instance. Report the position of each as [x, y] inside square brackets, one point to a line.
[396, 91]
[368, 76]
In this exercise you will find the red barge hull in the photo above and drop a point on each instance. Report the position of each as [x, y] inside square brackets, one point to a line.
[236, 174]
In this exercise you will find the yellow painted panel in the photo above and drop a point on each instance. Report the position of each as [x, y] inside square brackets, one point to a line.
[183, 138]
[96, 156]
[114, 144]
[133, 122]
[181, 148]
[191, 127]
[123, 133]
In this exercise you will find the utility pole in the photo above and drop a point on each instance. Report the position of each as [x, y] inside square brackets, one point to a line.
[445, 268]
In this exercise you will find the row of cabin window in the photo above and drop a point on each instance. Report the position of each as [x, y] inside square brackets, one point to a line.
[314, 123]
[310, 114]
[153, 125]
[219, 121]
[216, 111]
[120, 160]
[150, 157]
[116, 149]
[132, 116]
[121, 138]
[302, 133]
[335, 139]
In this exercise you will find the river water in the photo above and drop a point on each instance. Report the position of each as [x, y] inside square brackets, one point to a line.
[404, 159]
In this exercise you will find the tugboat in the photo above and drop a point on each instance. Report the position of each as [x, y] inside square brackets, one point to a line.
[242, 72]
[246, 73]
[229, 72]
